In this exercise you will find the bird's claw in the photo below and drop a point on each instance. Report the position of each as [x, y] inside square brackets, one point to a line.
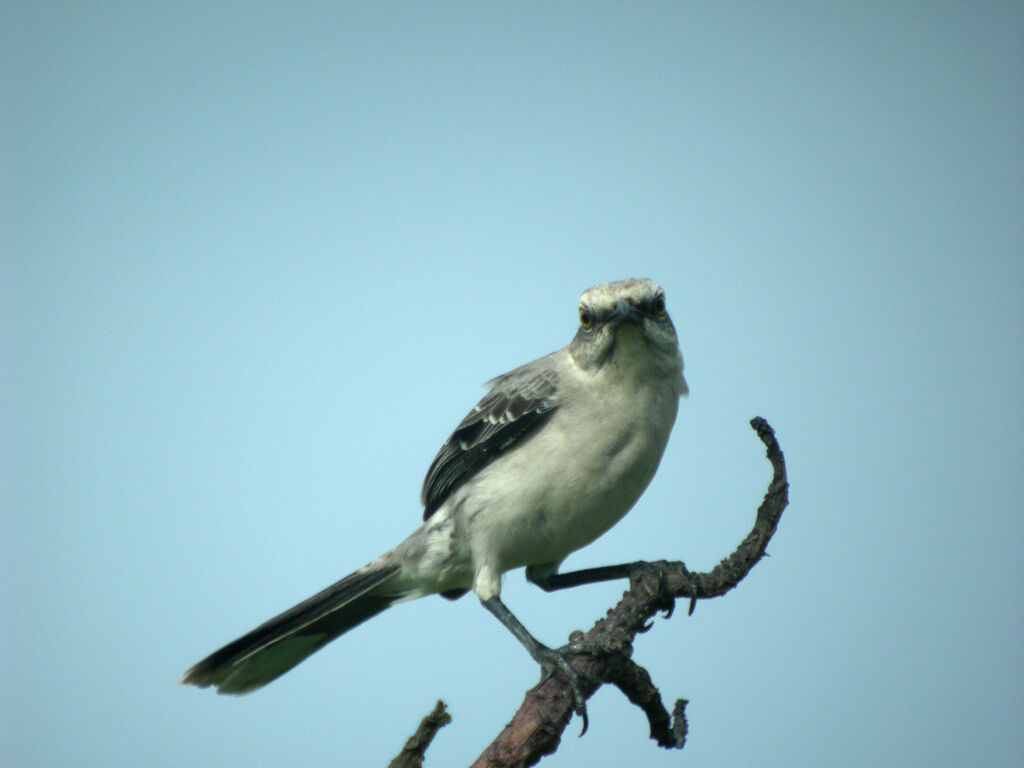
[657, 569]
[643, 568]
[551, 660]
[694, 584]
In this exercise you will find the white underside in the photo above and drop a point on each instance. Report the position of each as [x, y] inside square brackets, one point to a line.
[567, 484]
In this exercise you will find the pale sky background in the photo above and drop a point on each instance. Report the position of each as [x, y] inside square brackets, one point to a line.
[257, 260]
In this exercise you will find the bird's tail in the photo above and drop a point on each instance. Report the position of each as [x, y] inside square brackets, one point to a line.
[270, 650]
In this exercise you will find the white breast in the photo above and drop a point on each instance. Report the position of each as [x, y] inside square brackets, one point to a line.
[577, 476]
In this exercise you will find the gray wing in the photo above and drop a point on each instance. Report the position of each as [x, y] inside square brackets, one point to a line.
[516, 405]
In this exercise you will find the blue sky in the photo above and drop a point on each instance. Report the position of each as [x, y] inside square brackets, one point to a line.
[258, 259]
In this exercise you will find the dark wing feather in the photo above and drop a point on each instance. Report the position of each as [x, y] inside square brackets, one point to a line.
[518, 403]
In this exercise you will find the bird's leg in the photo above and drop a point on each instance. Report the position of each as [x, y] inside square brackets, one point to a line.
[548, 579]
[548, 658]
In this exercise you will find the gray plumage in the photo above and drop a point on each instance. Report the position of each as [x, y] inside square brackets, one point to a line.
[554, 454]
[517, 403]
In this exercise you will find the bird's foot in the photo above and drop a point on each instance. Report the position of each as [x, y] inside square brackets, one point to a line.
[643, 569]
[552, 660]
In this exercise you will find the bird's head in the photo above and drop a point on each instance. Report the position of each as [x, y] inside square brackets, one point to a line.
[626, 322]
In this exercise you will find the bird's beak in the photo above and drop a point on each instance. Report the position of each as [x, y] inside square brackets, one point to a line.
[625, 312]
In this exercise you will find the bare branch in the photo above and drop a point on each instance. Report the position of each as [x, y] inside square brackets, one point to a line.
[414, 751]
[635, 682]
[602, 655]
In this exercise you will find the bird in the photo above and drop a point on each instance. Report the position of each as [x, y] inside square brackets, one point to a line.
[556, 452]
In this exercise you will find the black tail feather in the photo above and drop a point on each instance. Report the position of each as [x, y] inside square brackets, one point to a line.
[276, 646]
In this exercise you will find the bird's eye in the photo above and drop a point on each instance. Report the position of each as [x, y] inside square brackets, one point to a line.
[659, 306]
[585, 318]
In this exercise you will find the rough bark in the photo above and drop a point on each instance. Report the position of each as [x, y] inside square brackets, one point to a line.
[603, 654]
[415, 749]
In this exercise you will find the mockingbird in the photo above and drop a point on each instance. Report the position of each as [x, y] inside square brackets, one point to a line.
[555, 453]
